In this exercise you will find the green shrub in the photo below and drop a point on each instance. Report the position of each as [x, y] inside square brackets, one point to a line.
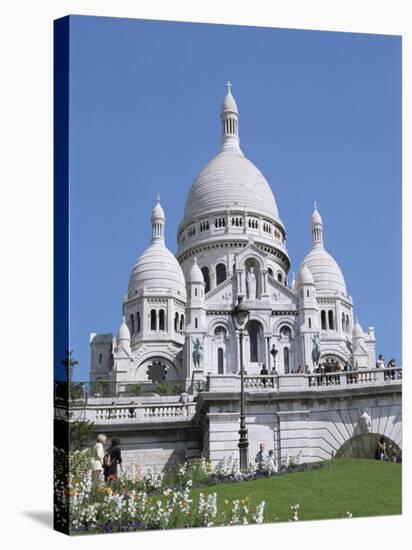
[136, 390]
[166, 388]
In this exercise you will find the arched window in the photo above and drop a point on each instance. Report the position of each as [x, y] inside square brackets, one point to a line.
[206, 278]
[153, 319]
[100, 358]
[280, 277]
[182, 322]
[138, 322]
[286, 360]
[330, 319]
[162, 319]
[323, 319]
[220, 273]
[270, 271]
[253, 330]
[343, 323]
[347, 323]
[307, 293]
[220, 331]
[132, 324]
[195, 291]
[310, 322]
[196, 322]
[220, 361]
[176, 321]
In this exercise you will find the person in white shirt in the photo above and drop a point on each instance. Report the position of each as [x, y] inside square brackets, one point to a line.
[271, 464]
[96, 461]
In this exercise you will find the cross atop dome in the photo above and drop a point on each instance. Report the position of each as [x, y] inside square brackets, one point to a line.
[229, 86]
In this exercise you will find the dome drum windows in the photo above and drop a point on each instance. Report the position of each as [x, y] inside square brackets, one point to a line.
[267, 228]
[220, 222]
[191, 232]
[253, 223]
[237, 221]
[204, 225]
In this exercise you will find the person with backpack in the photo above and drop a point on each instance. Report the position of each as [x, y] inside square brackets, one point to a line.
[96, 460]
[112, 458]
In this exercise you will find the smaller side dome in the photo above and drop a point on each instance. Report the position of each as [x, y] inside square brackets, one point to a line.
[195, 273]
[124, 334]
[358, 331]
[305, 277]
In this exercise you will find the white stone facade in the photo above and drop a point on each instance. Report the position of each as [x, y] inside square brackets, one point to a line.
[177, 313]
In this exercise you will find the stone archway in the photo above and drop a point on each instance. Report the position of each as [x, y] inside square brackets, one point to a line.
[364, 446]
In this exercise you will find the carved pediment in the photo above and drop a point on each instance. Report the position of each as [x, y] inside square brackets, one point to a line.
[279, 293]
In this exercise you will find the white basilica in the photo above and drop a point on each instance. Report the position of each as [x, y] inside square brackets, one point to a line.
[177, 314]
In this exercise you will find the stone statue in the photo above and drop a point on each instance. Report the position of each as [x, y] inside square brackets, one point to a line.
[273, 353]
[315, 350]
[251, 284]
[197, 353]
[365, 423]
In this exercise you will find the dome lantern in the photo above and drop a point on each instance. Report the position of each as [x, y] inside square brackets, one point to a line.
[158, 221]
[230, 122]
[317, 227]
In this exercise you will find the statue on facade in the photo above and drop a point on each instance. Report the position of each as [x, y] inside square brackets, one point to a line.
[315, 350]
[251, 284]
[197, 353]
[365, 423]
[273, 353]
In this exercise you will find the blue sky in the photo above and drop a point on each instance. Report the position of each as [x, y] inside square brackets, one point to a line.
[320, 115]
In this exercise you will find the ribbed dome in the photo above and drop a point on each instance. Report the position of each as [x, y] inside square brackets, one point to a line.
[230, 180]
[195, 273]
[326, 273]
[157, 269]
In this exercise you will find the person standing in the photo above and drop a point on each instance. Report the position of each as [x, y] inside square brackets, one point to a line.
[96, 461]
[382, 449]
[112, 459]
[262, 457]
[272, 468]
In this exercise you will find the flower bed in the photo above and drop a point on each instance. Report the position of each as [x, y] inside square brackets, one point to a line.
[157, 500]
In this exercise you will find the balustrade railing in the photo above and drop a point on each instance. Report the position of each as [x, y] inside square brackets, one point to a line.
[301, 382]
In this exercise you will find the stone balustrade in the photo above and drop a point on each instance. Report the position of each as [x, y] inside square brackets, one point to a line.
[306, 382]
[132, 413]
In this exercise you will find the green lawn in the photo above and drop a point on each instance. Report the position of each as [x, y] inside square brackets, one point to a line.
[363, 487]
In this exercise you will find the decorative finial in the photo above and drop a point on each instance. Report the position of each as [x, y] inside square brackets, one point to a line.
[229, 85]
[123, 320]
[315, 205]
[195, 260]
[158, 198]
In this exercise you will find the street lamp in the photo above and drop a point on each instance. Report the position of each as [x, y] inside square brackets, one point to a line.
[240, 316]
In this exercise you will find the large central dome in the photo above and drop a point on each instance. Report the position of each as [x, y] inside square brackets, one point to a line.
[227, 181]
[230, 180]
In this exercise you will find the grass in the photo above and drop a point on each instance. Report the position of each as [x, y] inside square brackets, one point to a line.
[363, 487]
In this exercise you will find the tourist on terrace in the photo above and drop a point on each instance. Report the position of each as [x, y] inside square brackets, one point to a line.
[264, 372]
[96, 461]
[380, 363]
[262, 458]
[112, 458]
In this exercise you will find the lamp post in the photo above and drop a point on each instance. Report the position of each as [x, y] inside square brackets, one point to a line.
[240, 316]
